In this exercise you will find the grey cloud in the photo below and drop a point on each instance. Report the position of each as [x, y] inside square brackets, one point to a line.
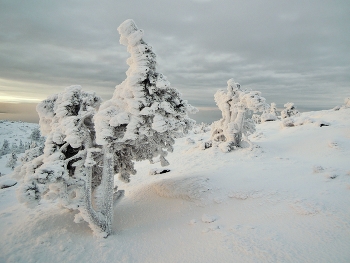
[291, 51]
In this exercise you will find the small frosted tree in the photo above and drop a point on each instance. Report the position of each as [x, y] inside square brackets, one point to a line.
[35, 135]
[12, 160]
[269, 114]
[14, 147]
[289, 111]
[235, 124]
[347, 102]
[5, 149]
[21, 148]
[345, 106]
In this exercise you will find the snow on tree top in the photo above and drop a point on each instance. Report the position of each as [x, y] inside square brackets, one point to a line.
[144, 103]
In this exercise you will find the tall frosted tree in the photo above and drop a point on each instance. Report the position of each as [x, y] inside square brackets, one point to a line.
[144, 115]
[85, 149]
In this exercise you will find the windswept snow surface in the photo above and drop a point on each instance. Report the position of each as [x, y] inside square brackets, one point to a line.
[285, 200]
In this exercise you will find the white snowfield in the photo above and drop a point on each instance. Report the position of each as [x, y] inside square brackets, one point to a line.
[287, 199]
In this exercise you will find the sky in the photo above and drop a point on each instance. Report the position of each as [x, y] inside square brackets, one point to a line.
[292, 51]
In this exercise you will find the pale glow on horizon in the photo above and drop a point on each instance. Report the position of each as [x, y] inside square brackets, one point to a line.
[12, 99]
[12, 91]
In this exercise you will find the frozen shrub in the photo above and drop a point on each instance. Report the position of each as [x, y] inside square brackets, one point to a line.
[345, 106]
[201, 128]
[347, 102]
[35, 135]
[270, 114]
[289, 111]
[236, 105]
[5, 149]
[12, 161]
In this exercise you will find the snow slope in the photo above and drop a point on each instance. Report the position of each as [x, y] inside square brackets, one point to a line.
[287, 199]
[13, 132]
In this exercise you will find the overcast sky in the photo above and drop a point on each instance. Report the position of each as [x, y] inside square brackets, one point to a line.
[292, 51]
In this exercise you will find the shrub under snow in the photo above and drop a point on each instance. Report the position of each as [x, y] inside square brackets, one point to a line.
[289, 111]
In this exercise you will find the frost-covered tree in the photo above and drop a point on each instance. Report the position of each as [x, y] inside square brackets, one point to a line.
[5, 149]
[347, 102]
[345, 106]
[21, 148]
[35, 135]
[12, 160]
[289, 111]
[143, 116]
[62, 171]
[269, 114]
[26, 146]
[235, 124]
[14, 147]
[201, 128]
[31, 154]
[83, 151]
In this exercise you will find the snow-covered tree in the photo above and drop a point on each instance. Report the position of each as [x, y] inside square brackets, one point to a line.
[14, 147]
[26, 146]
[269, 114]
[345, 106]
[83, 151]
[31, 154]
[143, 116]
[201, 128]
[5, 149]
[347, 102]
[21, 148]
[12, 160]
[35, 135]
[235, 124]
[61, 172]
[289, 111]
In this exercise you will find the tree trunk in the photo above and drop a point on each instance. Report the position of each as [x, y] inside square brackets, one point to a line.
[108, 186]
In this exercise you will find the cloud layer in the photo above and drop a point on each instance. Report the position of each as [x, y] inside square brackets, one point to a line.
[295, 51]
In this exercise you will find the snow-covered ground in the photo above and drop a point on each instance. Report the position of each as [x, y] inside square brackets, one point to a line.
[287, 199]
[14, 132]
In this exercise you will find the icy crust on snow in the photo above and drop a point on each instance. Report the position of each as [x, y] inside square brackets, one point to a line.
[145, 112]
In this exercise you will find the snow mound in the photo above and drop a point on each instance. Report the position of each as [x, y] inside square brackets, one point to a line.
[208, 218]
[191, 188]
[303, 207]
